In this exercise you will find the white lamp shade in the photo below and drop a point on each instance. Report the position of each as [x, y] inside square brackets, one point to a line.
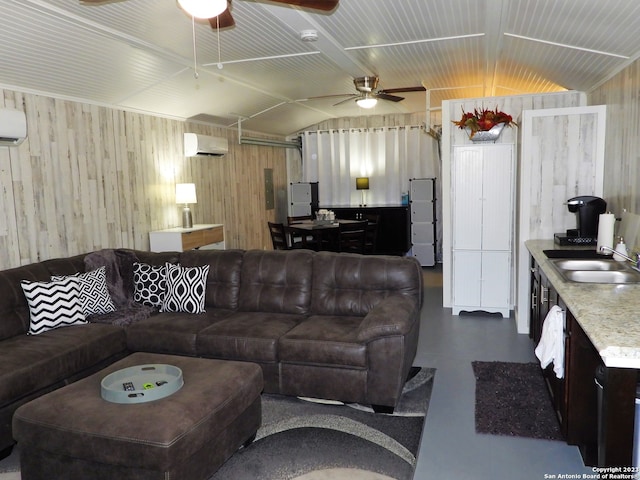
[203, 8]
[186, 193]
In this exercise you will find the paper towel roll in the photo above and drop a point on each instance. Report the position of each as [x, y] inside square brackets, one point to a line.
[606, 223]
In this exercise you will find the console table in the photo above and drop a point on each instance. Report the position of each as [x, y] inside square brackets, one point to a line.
[178, 239]
[394, 228]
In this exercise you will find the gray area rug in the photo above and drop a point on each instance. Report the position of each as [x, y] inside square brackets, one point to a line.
[306, 439]
[512, 399]
[302, 438]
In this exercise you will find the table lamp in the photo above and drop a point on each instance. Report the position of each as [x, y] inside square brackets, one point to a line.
[362, 183]
[186, 194]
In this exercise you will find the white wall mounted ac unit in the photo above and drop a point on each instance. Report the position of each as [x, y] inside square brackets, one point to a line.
[13, 127]
[202, 145]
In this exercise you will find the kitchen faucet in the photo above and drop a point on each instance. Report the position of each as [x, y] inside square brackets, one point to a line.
[635, 263]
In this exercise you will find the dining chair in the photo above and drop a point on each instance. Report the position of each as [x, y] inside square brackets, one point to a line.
[298, 219]
[352, 237]
[279, 236]
[299, 240]
[371, 236]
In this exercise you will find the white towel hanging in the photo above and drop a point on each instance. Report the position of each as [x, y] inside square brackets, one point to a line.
[551, 345]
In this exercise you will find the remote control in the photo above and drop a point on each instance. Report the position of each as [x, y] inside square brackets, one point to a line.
[128, 387]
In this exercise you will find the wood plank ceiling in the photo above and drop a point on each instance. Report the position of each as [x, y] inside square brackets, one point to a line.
[139, 54]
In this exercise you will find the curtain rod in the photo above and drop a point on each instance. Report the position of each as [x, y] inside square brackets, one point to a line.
[368, 129]
[270, 143]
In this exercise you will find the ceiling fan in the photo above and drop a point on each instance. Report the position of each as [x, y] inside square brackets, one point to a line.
[218, 12]
[367, 95]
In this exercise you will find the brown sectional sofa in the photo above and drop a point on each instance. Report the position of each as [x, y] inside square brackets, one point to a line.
[320, 324]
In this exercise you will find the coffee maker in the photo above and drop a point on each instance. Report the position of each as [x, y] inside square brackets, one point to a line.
[587, 210]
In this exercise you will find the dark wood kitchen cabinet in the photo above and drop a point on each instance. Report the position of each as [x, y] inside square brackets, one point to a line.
[601, 427]
[543, 298]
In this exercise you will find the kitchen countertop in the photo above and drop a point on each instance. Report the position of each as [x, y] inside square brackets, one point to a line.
[608, 314]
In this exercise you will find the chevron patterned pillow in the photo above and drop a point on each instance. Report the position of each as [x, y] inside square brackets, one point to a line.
[94, 294]
[53, 304]
[186, 288]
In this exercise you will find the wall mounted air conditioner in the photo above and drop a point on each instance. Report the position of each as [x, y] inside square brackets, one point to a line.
[13, 127]
[202, 145]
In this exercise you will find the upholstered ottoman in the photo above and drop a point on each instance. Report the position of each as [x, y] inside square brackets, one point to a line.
[72, 433]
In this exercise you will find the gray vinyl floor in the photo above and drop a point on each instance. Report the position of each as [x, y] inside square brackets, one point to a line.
[450, 447]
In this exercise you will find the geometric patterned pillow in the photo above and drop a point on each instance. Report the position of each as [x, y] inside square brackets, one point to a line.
[149, 284]
[53, 304]
[94, 294]
[186, 287]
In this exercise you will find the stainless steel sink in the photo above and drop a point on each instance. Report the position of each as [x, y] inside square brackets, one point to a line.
[596, 271]
[601, 265]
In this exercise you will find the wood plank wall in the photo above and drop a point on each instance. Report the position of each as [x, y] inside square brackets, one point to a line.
[91, 177]
[622, 147]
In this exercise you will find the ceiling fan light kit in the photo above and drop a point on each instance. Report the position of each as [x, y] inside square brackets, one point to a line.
[203, 8]
[367, 101]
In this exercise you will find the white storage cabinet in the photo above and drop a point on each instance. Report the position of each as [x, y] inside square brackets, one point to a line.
[303, 199]
[482, 206]
[423, 220]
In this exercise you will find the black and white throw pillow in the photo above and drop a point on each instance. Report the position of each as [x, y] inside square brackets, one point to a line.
[94, 294]
[149, 284]
[53, 304]
[186, 288]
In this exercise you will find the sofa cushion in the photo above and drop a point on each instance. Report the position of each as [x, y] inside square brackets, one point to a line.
[31, 363]
[53, 304]
[186, 288]
[324, 340]
[94, 295]
[276, 281]
[352, 284]
[248, 336]
[223, 281]
[14, 310]
[171, 332]
[149, 284]
[65, 266]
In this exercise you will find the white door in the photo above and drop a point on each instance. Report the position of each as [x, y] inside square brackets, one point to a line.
[467, 205]
[496, 281]
[497, 197]
[467, 285]
[562, 156]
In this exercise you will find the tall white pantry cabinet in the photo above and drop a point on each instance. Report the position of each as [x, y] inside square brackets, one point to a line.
[482, 183]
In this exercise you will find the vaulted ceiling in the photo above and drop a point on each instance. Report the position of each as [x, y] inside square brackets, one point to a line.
[139, 54]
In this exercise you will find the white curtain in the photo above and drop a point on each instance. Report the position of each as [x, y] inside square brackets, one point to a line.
[389, 156]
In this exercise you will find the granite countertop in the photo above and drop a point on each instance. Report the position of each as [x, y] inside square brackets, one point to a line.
[609, 314]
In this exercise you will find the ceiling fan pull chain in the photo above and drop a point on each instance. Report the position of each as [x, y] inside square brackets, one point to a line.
[218, 30]
[195, 58]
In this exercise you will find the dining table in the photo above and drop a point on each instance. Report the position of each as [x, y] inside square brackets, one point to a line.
[319, 235]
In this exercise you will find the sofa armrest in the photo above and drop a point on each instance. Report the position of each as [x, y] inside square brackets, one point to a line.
[395, 315]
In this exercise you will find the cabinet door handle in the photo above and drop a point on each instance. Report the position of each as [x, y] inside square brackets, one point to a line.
[534, 297]
[544, 298]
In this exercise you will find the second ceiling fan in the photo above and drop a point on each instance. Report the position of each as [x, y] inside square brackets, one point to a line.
[367, 94]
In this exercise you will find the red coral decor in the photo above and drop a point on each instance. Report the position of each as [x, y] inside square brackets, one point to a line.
[483, 120]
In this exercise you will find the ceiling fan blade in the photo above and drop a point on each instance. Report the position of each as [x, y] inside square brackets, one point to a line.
[403, 90]
[351, 97]
[385, 96]
[324, 5]
[225, 18]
